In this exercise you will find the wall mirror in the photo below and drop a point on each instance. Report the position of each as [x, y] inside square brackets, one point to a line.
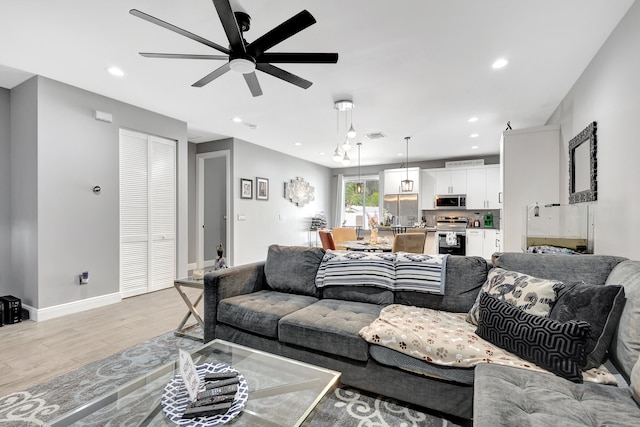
[583, 185]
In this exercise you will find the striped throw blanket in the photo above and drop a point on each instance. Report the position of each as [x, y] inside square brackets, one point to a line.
[399, 271]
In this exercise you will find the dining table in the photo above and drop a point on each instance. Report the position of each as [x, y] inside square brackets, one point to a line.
[367, 246]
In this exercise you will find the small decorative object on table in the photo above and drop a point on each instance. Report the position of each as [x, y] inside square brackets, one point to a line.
[224, 397]
[373, 226]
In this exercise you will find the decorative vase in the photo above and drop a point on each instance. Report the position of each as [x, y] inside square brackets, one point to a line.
[374, 235]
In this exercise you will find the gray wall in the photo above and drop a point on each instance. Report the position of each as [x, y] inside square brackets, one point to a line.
[276, 220]
[76, 230]
[607, 92]
[5, 192]
[24, 192]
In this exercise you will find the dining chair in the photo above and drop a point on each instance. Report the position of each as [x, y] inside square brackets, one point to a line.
[409, 242]
[326, 239]
[343, 234]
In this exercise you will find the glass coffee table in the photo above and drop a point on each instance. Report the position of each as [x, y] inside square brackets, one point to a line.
[282, 392]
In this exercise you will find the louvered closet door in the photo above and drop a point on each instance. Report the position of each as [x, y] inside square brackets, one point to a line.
[147, 213]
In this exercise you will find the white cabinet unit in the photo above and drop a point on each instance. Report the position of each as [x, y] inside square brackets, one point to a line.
[483, 187]
[530, 174]
[451, 181]
[482, 242]
[427, 189]
[393, 177]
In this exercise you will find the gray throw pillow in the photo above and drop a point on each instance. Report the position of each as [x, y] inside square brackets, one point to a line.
[555, 346]
[293, 269]
[599, 305]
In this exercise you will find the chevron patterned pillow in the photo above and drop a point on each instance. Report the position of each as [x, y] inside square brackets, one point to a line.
[555, 346]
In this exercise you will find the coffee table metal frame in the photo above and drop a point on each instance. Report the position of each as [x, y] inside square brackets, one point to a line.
[326, 379]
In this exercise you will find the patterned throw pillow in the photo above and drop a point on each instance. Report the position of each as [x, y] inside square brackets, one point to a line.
[528, 293]
[552, 345]
[599, 305]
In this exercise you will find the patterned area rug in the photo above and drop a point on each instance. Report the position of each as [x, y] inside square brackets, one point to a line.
[45, 402]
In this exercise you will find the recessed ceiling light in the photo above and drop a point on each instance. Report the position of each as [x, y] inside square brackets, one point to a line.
[115, 71]
[237, 119]
[499, 63]
[475, 147]
[473, 119]
[297, 143]
[474, 135]
[321, 153]
[400, 154]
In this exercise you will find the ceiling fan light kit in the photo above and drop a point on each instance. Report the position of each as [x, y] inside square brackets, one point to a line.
[245, 57]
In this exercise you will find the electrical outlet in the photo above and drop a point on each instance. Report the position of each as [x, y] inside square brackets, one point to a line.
[242, 217]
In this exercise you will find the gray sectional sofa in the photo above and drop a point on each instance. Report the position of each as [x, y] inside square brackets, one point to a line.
[275, 306]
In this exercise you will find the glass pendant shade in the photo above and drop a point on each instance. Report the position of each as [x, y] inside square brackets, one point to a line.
[351, 133]
[406, 185]
[346, 160]
[346, 145]
[359, 188]
[337, 155]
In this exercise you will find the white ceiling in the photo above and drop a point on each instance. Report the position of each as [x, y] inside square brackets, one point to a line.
[418, 68]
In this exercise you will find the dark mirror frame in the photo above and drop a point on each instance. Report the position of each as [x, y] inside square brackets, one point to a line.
[587, 135]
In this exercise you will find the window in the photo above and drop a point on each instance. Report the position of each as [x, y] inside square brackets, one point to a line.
[359, 209]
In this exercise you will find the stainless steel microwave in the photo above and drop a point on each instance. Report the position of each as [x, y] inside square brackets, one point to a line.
[451, 201]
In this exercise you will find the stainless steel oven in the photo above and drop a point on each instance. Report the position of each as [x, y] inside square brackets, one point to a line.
[451, 235]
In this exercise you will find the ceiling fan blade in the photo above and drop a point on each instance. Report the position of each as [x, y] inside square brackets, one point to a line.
[282, 32]
[230, 25]
[298, 58]
[171, 27]
[284, 75]
[252, 82]
[181, 56]
[212, 76]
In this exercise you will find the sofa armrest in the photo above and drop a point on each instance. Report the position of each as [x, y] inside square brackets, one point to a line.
[225, 283]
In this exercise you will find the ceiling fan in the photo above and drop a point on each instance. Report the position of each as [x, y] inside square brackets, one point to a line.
[245, 57]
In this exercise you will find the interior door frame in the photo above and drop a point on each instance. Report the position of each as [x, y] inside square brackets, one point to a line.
[200, 158]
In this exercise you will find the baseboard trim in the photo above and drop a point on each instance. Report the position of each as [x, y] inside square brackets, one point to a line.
[40, 314]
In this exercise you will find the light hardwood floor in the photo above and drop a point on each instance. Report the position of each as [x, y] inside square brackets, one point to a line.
[34, 352]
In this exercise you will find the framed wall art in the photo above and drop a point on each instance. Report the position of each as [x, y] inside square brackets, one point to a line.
[246, 188]
[262, 188]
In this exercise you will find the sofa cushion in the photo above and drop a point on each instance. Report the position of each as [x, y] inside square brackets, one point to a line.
[366, 294]
[599, 305]
[465, 275]
[506, 396]
[330, 326]
[293, 269]
[530, 294]
[625, 345]
[557, 347]
[563, 268]
[260, 312]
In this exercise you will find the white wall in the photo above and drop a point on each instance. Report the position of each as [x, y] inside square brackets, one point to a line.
[5, 192]
[607, 92]
[277, 220]
[76, 230]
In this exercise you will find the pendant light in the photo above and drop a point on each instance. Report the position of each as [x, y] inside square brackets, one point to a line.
[407, 185]
[337, 155]
[346, 161]
[359, 185]
[345, 106]
[351, 133]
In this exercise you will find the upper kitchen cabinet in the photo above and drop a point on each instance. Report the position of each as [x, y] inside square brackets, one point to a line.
[393, 177]
[451, 181]
[427, 189]
[483, 187]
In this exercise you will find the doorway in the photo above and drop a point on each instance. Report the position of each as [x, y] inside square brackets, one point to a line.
[213, 188]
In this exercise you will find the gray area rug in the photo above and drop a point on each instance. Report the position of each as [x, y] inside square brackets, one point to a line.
[45, 402]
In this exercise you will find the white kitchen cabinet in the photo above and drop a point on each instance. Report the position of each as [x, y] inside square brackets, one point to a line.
[482, 242]
[393, 177]
[427, 189]
[483, 187]
[474, 242]
[451, 181]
